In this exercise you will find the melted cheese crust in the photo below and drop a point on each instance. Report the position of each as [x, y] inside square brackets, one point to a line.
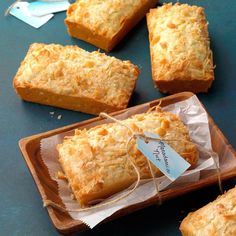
[179, 43]
[95, 161]
[72, 71]
[105, 17]
[218, 218]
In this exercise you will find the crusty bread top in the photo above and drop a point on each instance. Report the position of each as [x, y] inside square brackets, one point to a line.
[218, 218]
[95, 160]
[70, 70]
[179, 43]
[103, 17]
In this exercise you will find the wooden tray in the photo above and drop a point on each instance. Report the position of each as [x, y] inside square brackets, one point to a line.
[30, 148]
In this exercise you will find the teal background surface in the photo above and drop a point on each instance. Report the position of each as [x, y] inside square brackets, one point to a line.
[21, 209]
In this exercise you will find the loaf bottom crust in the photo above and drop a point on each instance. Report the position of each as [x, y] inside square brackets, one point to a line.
[82, 104]
[77, 30]
[176, 86]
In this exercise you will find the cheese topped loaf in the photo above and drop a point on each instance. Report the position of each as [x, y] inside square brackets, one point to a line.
[218, 218]
[72, 78]
[180, 50]
[105, 22]
[95, 161]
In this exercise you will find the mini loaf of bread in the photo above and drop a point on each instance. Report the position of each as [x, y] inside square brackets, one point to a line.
[71, 78]
[95, 161]
[179, 45]
[104, 23]
[217, 218]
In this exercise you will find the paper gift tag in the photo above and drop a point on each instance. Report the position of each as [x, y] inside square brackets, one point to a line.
[20, 10]
[40, 8]
[165, 158]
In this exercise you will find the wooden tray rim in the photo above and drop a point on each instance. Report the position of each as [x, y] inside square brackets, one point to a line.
[78, 225]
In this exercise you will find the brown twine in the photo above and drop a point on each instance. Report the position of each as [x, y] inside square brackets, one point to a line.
[47, 202]
[211, 153]
[157, 107]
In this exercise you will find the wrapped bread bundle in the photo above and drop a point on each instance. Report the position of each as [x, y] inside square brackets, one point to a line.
[96, 162]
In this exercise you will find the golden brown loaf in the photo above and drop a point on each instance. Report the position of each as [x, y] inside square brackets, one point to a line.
[105, 22]
[69, 77]
[95, 161]
[179, 45]
[217, 218]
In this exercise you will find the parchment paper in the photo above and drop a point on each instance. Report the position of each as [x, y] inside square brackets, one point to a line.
[193, 116]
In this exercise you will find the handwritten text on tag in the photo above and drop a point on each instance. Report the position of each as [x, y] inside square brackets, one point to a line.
[165, 158]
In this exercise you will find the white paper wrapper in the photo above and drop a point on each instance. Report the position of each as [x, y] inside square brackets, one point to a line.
[194, 117]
